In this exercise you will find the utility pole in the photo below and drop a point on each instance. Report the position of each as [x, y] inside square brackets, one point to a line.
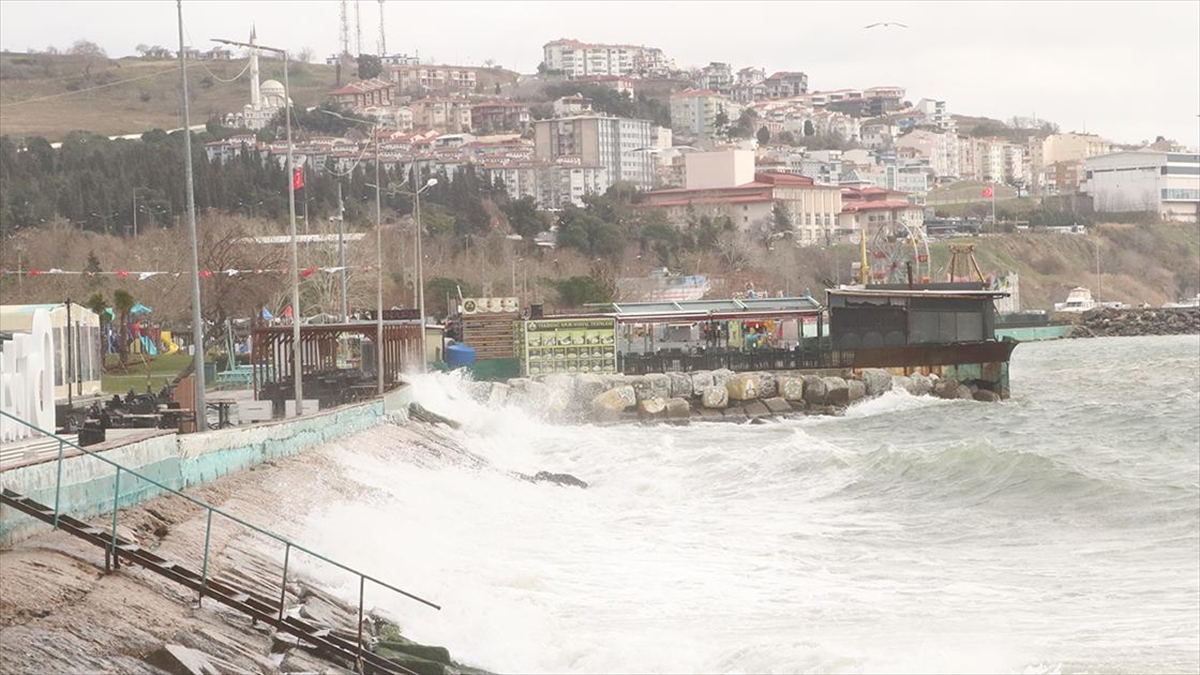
[197, 325]
[382, 36]
[341, 218]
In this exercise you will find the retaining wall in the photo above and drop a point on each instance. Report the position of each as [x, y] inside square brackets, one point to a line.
[89, 485]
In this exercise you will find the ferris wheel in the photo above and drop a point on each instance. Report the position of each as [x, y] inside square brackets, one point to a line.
[893, 246]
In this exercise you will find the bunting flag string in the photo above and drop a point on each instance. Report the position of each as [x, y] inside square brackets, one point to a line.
[204, 274]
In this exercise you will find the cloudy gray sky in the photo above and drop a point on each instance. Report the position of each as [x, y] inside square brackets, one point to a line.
[1127, 70]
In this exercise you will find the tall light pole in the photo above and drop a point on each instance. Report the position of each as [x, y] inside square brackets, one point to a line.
[297, 347]
[197, 326]
[419, 291]
[378, 252]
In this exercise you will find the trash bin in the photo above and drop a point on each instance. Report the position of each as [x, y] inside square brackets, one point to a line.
[210, 371]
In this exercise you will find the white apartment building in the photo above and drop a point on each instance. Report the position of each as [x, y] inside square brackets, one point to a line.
[1165, 183]
[940, 148]
[694, 112]
[936, 114]
[580, 59]
[619, 145]
[1060, 149]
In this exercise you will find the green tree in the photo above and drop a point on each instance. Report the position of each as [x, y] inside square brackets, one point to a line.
[99, 305]
[524, 217]
[809, 129]
[579, 291]
[122, 303]
[763, 136]
[780, 218]
[438, 289]
[369, 66]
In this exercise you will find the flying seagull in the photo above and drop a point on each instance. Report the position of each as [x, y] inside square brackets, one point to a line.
[886, 23]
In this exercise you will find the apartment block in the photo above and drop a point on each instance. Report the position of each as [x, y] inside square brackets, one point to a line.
[694, 112]
[580, 59]
[621, 146]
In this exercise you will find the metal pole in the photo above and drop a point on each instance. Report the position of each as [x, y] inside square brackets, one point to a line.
[297, 358]
[197, 325]
[58, 483]
[116, 500]
[378, 269]
[135, 213]
[362, 581]
[204, 566]
[287, 552]
[342, 252]
[420, 279]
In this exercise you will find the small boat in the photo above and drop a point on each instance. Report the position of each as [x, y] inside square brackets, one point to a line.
[1078, 300]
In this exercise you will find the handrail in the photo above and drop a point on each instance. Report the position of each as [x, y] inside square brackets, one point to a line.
[212, 509]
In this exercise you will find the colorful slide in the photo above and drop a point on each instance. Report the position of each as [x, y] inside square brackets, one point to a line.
[170, 345]
[148, 346]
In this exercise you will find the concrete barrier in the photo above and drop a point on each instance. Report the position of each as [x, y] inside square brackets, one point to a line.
[89, 484]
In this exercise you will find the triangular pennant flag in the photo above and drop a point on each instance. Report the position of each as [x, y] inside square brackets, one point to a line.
[304, 274]
[124, 274]
[206, 274]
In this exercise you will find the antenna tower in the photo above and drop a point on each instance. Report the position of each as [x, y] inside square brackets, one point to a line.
[345, 36]
[357, 29]
[382, 39]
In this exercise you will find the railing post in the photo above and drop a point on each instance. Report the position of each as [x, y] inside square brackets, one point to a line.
[362, 581]
[204, 565]
[116, 501]
[287, 552]
[58, 482]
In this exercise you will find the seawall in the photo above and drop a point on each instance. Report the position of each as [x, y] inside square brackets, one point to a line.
[178, 461]
[1149, 321]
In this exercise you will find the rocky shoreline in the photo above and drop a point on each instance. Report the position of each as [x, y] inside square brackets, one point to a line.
[711, 396]
[1129, 322]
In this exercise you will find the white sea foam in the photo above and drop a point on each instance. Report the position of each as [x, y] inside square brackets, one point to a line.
[911, 535]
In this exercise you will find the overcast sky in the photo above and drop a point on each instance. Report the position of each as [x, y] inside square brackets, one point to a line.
[1126, 70]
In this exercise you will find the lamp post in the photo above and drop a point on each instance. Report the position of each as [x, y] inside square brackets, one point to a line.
[250, 206]
[420, 280]
[378, 250]
[105, 219]
[135, 210]
[197, 325]
[297, 347]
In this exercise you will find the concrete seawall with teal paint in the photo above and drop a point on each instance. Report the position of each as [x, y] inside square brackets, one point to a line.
[1035, 333]
[178, 461]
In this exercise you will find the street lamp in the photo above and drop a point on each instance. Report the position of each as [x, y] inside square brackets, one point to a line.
[420, 282]
[378, 250]
[106, 220]
[250, 206]
[297, 361]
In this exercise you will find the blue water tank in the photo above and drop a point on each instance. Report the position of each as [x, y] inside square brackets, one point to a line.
[459, 355]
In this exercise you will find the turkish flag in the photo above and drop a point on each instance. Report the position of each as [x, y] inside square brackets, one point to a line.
[988, 193]
[298, 178]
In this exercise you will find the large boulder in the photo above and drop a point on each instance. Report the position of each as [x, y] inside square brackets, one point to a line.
[700, 380]
[757, 409]
[498, 394]
[681, 385]
[987, 396]
[721, 377]
[964, 392]
[653, 385]
[588, 387]
[946, 388]
[901, 383]
[778, 405]
[615, 400]
[791, 388]
[652, 407]
[856, 390]
[919, 384]
[814, 390]
[715, 397]
[837, 392]
[559, 390]
[743, 387]
[678, 409]
[877, 381]
[768, 385]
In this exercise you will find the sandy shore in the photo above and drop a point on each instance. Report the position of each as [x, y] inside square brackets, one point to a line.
[60, 612]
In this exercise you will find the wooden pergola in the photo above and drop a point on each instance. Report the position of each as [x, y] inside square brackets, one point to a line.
[272, 349]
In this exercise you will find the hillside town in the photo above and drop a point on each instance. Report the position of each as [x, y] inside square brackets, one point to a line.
[724, 139]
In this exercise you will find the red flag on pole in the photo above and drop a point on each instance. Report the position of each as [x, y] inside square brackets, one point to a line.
[298, 178]
[988, 193]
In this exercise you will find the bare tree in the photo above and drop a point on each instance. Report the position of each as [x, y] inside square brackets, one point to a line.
[87, 48]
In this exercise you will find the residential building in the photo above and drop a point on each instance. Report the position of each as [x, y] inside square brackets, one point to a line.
[750, 85]
[553, 185]
[621, 85]
[432, 80]
[940, 148]
[1044, 153]
[882, 100]
[720, 169]
[617, 144]
[786, 84]
[935, 114]
[874, 208]
[449, 115]
[1164, 183]
[695, 112]
[579, 59]
[575, 104]
[878, 134]
[375, 92]
[496, 116]
[716, 77]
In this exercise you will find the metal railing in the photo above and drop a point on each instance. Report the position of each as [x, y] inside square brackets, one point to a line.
[813, 354]
[210, 509]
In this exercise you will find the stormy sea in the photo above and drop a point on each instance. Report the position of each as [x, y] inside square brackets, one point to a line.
[1057, 532]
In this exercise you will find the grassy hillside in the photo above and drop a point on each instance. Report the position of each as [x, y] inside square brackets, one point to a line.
[125, 107]
[1138, 263]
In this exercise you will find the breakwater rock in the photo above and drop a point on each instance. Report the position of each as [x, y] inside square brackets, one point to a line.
[1116, 322]
[721, 395]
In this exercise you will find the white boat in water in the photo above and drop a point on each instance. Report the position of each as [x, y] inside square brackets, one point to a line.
[1194, 302]
[1078, 300]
